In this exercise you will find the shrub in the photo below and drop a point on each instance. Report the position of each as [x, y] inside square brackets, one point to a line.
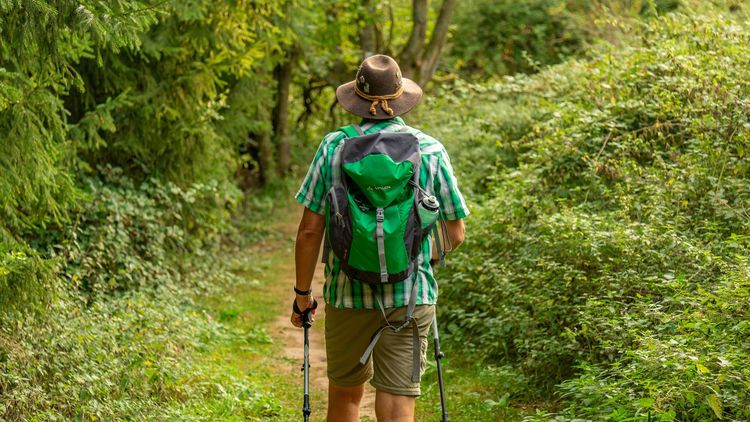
[26, 279]
[132, 237]
[119, 333]
[136, 356]
[607, 261]
[506, 37]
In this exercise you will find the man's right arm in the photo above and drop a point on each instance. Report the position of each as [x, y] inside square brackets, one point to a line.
[452, 203]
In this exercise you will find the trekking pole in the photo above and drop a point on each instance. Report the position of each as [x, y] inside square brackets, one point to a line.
[306, 323]
[438, 357]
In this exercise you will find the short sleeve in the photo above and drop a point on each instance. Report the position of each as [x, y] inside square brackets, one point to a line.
[452, 203]
[312, 192]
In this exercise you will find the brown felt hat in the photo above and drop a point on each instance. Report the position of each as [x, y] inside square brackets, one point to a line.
[379, 91]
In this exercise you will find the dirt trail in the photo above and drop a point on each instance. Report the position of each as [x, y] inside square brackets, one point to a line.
[284, 333]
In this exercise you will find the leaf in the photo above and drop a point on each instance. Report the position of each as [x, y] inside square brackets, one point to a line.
[702, 369]
[714, 402]
[646, 402]
[504, 400]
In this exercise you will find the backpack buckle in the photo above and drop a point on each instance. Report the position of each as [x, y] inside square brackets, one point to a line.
[380, 215]
[405, 324]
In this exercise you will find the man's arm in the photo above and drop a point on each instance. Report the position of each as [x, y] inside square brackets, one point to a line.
[306, 249]
[455, 229]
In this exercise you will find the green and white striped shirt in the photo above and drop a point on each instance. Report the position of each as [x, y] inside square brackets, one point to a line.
[435, 176]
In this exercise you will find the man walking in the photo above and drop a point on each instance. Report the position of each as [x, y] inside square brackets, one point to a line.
[375, 331]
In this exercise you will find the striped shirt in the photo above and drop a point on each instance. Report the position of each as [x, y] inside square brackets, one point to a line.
[435, 176]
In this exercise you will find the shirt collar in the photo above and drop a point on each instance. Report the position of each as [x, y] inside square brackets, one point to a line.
[392, 120]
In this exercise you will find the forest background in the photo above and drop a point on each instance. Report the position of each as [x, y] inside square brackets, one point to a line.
[601, 144]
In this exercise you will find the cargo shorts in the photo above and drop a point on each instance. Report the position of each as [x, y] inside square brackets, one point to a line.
[348, 333]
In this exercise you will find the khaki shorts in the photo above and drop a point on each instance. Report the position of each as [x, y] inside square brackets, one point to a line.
[348, 333]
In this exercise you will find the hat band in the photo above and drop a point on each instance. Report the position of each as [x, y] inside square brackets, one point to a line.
[382, 99]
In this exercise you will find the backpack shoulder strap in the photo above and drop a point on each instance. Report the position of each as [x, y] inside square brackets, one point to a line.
[352, 131]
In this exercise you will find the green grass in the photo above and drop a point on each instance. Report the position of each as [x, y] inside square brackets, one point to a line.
[474, 391]
[203, 350]
[248, 309]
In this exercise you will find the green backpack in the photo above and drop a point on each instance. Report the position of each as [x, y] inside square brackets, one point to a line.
[377, 217]
[374, 222]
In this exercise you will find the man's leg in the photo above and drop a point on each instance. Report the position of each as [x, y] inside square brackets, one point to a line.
[393, 360]
[392, 408]
[343, 403]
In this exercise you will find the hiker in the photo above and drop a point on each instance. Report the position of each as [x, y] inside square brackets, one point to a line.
[376, 315]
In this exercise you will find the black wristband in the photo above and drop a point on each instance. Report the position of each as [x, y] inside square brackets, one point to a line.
[303, 292]
[297, 311]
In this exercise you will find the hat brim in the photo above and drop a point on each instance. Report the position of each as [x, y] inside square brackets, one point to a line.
[353, 103]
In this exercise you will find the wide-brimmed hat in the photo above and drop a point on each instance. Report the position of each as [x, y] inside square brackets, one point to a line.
[379, 91]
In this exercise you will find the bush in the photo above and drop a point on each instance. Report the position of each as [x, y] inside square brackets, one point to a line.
[119, 333]
[506, 37]
[26, 279]
[129, 237]
[608, 261]
[133, 357]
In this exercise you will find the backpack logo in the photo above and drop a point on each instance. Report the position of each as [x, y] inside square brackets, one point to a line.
[373, 187]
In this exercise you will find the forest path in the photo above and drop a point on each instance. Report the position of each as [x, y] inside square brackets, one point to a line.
[290, 337]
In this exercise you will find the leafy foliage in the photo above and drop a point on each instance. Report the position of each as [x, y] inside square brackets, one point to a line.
[137, 356]
[606, 263]
[510, 37]
[130, 238]
[121, 335]
[610, 251]
[507, 37]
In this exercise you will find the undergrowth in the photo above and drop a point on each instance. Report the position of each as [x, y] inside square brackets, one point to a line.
[606, 260]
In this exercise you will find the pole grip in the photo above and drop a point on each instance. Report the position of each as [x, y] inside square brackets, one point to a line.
[306, 314]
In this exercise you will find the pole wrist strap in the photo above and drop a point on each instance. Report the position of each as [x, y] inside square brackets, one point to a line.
[303, 292]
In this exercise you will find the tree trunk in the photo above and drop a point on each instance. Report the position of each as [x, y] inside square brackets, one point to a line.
[416, 61]
[437, 41]
[265, 157]
[368, 36]
[283, 73]
[410, 57]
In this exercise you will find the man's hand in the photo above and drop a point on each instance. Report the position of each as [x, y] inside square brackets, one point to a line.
[303, 303]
